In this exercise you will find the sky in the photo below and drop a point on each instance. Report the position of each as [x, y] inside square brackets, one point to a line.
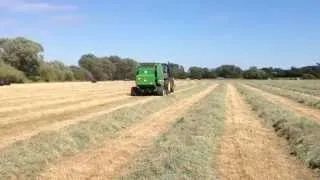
[210, 33]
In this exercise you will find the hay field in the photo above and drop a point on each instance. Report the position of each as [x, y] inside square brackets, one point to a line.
[205, 130]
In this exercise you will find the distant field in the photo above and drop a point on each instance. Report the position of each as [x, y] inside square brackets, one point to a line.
[205, 130]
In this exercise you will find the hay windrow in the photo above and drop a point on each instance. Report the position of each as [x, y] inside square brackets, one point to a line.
[302, 134]
[187, 150]
[28, 158]
[298, 97]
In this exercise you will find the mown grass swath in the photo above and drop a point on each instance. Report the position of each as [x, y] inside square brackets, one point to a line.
[26, 159]
[302, 133]
[303, 99]
[311, 87]
[186, 151]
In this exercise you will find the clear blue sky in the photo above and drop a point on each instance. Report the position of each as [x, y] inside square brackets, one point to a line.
[189, 32]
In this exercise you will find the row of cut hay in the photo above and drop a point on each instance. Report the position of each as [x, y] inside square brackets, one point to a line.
[46, 106]
[302, 134]
[44, 113]
[20, 131]
[292, 91]
[295, 86]
[12, 131]
[65, 85]
[48, 103]
[28, 158]
[187, 150]
[56, 92]
[303, 84]
[24, 130]
[298, 97]
[75, 86]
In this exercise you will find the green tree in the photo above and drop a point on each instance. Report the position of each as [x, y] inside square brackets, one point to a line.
[81, 74]
[212, 74]
[47, 72]
[205, 73]
[195, 72]
[177, 71]
[92, 64]
[10, 73]
[55, 71]
[109, 68]
[255, 73]
[229, 71]
[22, 54]
[308, 76]
[123, 68]
[130, 68]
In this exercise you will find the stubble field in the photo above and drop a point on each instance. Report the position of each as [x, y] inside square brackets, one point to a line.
[205, 130]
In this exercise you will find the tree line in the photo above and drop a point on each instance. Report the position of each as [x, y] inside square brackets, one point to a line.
[21, 60]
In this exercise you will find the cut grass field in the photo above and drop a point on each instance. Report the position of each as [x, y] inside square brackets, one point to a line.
[186, 150]
[311, 87]
[294, 107]
[249, 150]
[202, 131]
[25, 123]
[115, 152]
[302, 133]
[309, 100]
[49, 145]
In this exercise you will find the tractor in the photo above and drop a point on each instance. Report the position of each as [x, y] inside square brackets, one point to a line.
[153, 79]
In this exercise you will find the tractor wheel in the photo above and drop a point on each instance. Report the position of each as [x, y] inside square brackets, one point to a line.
[172, 85]
[168, 86]
[172, 90]
[161, 91]
[134, 91]
[168, 89]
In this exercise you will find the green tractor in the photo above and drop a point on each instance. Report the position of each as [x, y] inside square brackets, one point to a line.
[153, 79]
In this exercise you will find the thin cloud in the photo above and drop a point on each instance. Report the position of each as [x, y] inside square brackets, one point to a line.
[44, 7]
[32, 6]
[68, 19]
[7, 23]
